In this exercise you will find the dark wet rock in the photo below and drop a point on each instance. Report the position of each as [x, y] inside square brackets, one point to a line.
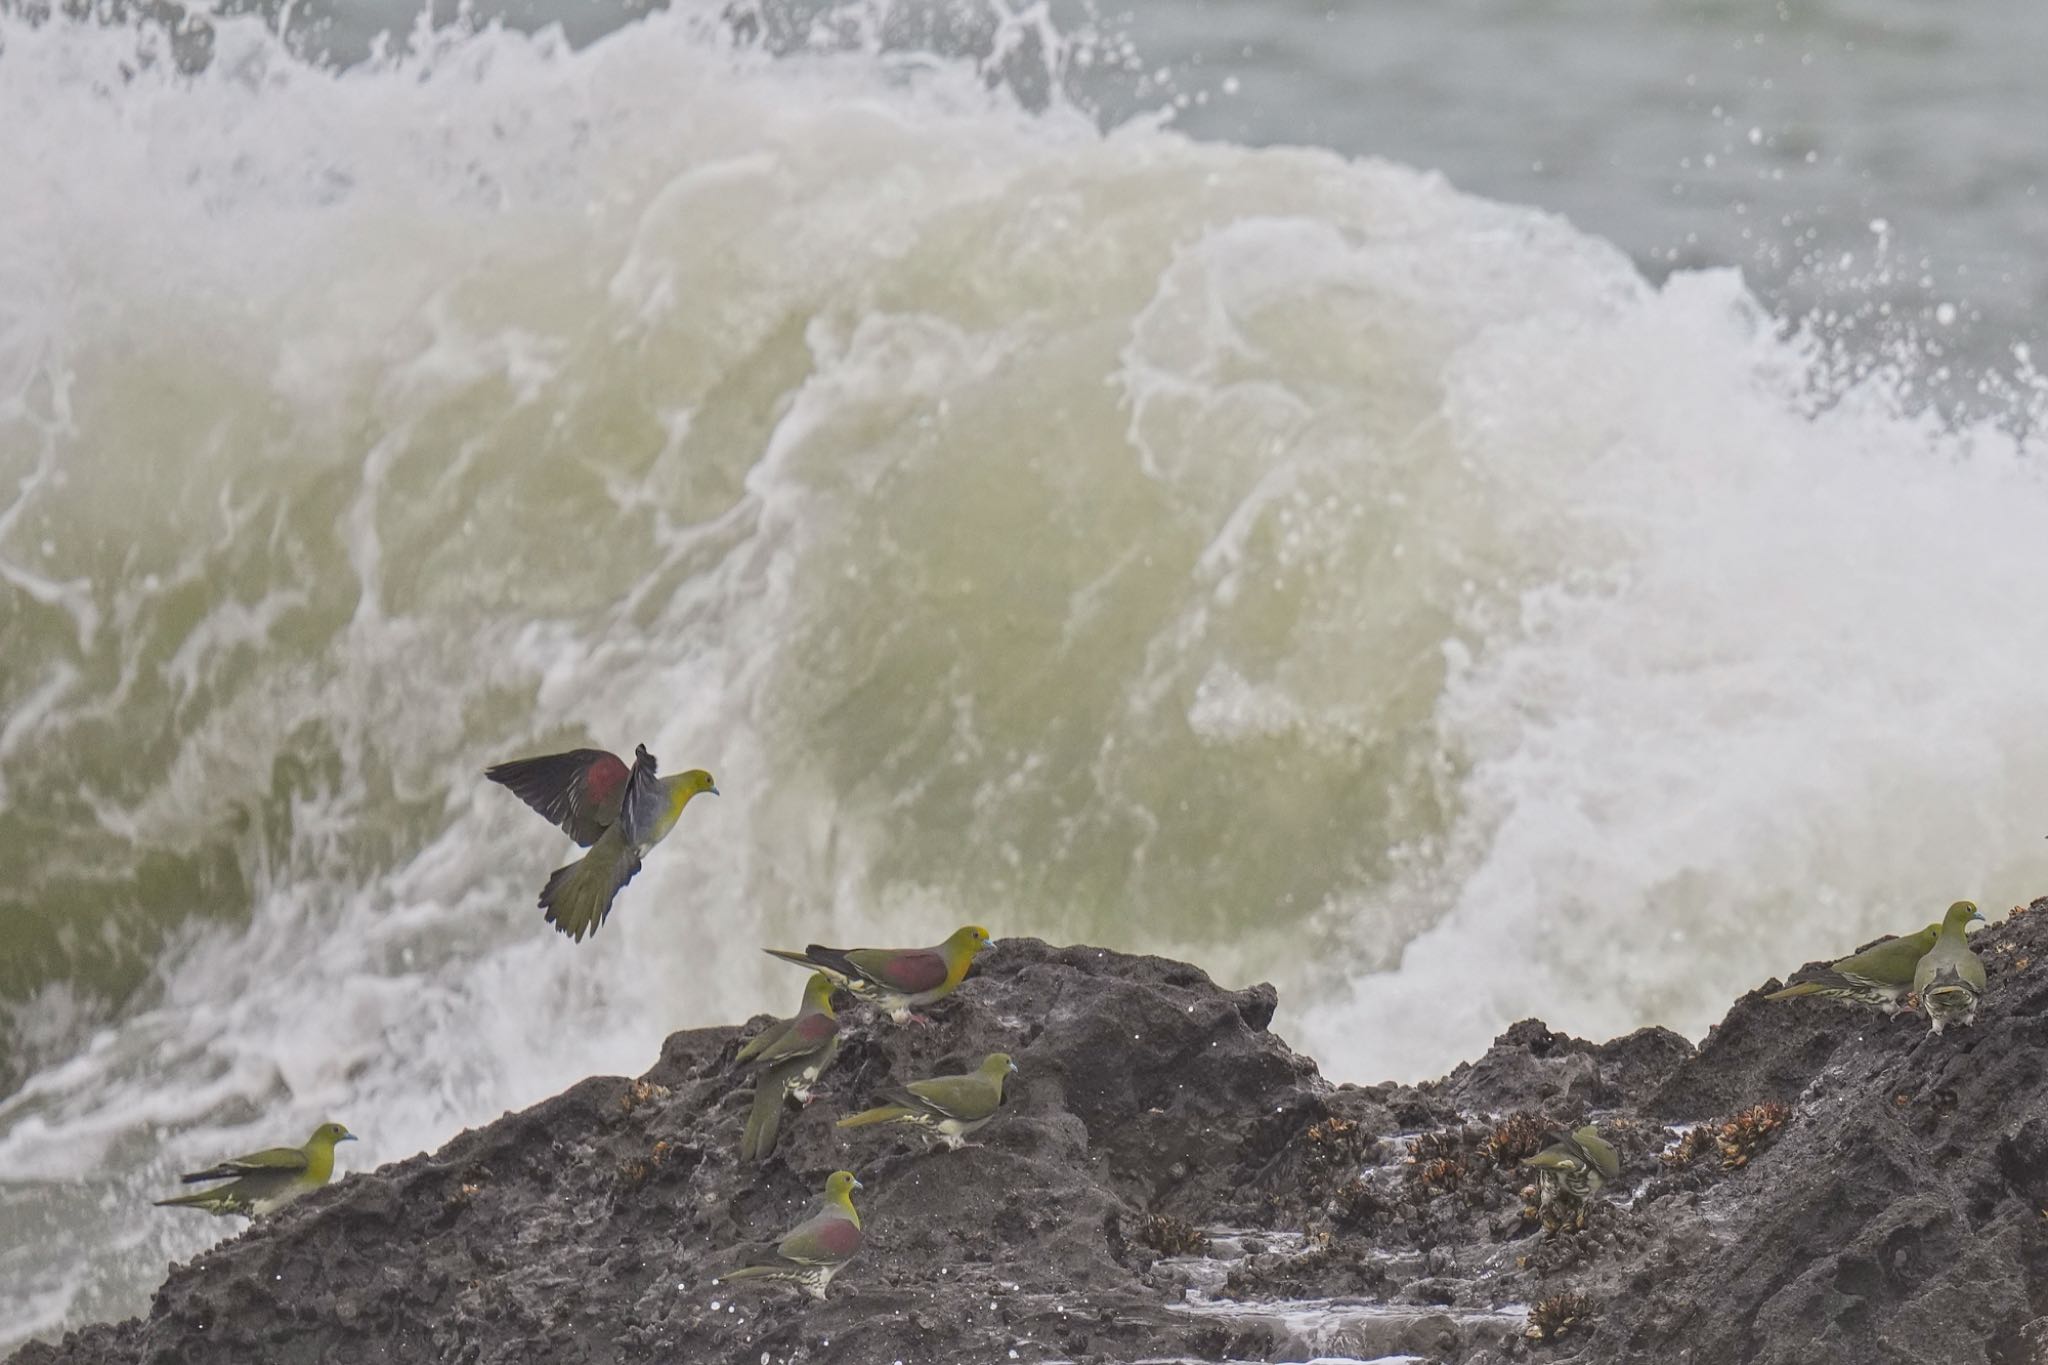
[1170, 1182]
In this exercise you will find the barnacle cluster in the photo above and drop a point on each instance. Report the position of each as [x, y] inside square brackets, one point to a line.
[1170, 1236]
[1551, 1318]
[638, 1093]
[1520, 1136]
[1698, 1140]
[1359, 1204]
[635, 1170]
[1749, 1132]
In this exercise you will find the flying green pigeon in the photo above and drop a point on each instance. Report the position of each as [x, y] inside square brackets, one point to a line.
[1569, 1171]
[895, 979]
[952, 1107]
[616, 812]
[813, 1251]
[264, 1182]
[792, 1054]
[1950, 978]
[1878, 976]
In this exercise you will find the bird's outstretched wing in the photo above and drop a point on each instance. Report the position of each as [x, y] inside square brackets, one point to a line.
[645, 801]
[581, 791]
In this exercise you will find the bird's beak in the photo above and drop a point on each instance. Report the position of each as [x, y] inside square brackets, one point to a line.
[857, 1185]
[347, 1137]
[712, 789]
[1013, 1068]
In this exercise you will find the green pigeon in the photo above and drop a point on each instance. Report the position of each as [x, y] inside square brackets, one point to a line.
[264, 1182]
[1878, 976]
[793, 1054]
[813, 1251]
[1950, 979]
[616, 812]
[1570, 1171]
[952, 1107]
[895, 980]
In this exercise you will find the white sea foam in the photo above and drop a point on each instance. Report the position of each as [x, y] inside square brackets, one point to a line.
[1254, 555]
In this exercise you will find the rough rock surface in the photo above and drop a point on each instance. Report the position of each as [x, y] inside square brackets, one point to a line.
[1170, 1182]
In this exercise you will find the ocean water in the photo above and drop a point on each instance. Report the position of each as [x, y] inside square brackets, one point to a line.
[1358, 500]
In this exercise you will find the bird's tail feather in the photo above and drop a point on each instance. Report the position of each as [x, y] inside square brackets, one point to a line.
[764, 1120]
[1801, 988]
[831, 961]
[198, 1199]
[887, 1113]
[210, 1173]
[579, 896]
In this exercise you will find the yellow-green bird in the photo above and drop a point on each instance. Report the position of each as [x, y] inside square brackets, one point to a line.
[1878, 976]
[895, 980]
[949, 1107]
[813, 1251]
[1569, 1172]
[264, 1182]
[616, 812]
[793, 1054]
[1950, 979]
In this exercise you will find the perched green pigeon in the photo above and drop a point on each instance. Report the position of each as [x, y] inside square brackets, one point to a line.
[1950, 978]
[616, 812]
[813, 1251]
[1878, 976]
[1569, 1171]
[264, 1182]
[952, 1107]
[896, 980]
[792, 1054]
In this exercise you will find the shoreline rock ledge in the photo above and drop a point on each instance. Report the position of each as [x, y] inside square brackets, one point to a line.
[1170, 1182]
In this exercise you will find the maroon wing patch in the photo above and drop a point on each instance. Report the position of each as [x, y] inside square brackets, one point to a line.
[605, 778]
[839, 1236]
[816, 1028]
[911, 972]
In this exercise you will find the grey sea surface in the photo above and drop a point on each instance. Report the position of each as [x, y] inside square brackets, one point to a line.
[1875, 166]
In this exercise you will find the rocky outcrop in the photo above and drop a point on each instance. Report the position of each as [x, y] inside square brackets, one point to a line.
[1170, 1182]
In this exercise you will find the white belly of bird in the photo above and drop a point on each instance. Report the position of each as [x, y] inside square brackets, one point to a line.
[1950, 1003]
[816, 1279]
[1566, 1187]
[271, 1203]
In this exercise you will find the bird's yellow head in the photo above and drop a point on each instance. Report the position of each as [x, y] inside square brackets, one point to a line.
[327, 1134]
[818, 993]
[966, 942]
[685, 785]
[839, 1188]
[1960, 914]
[998, 1064]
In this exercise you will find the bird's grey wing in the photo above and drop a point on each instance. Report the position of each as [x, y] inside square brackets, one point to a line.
[580, 791]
